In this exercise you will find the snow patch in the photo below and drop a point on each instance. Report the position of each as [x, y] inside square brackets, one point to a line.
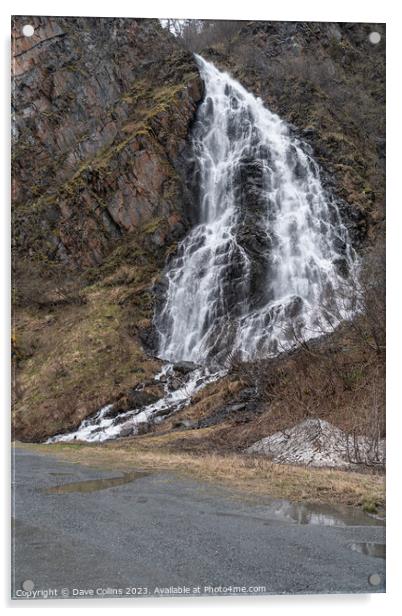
[315, 442]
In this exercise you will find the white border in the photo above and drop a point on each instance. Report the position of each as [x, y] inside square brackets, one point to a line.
[306, 10]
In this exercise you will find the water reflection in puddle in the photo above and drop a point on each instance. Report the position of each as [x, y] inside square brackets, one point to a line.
[302, 513]
[93, 485]
[323, 515]
[369, 549]
[279, 511]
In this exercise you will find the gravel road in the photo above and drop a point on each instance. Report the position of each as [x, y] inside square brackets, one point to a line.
[80, 532]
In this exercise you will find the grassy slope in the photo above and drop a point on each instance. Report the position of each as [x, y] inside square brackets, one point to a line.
[72, 358]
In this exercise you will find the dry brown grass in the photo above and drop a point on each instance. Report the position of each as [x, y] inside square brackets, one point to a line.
[254, 475]
[359, 409]
[73, 359]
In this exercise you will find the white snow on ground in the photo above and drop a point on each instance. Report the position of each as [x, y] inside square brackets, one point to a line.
[316, 442]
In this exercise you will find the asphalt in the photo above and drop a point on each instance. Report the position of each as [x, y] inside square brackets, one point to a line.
[82, 532]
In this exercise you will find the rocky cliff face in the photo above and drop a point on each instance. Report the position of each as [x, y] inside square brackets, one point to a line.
[101, 109]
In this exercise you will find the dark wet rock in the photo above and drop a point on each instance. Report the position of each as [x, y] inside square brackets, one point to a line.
[175, 383]
[240, 410]
[294, 308]
[249, 393]
[110, 413]
[164, 412]
[342, 267]
[148, 337]
[97, 430]
[220, 415]
[127, 431]
[133, 399]
[119, 419]
[137, 399]
[184, 367]
[309, 132]
[186, 423]
[143, 428]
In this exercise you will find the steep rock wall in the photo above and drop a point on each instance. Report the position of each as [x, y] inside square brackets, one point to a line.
[101, 111]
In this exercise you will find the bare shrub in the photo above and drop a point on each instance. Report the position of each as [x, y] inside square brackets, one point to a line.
[196, 34]
[364, 293]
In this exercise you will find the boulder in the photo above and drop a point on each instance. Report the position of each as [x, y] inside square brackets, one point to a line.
[184, 367]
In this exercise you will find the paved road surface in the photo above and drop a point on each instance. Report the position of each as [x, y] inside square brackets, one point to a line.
[106, 533]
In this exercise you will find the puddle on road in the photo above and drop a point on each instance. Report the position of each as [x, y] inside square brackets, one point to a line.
[326, 515]
[308, 514]
[94, 485]
[321, 514]
[273, 512]
[369, 549]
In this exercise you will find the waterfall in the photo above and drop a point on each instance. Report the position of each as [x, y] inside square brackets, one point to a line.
[266, 263]
[264, 266]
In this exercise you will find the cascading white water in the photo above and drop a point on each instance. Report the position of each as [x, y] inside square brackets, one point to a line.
[106, 424]
[266, 263]
[264, 266]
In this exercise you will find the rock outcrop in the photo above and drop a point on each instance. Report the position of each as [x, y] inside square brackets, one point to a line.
[101, 112]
